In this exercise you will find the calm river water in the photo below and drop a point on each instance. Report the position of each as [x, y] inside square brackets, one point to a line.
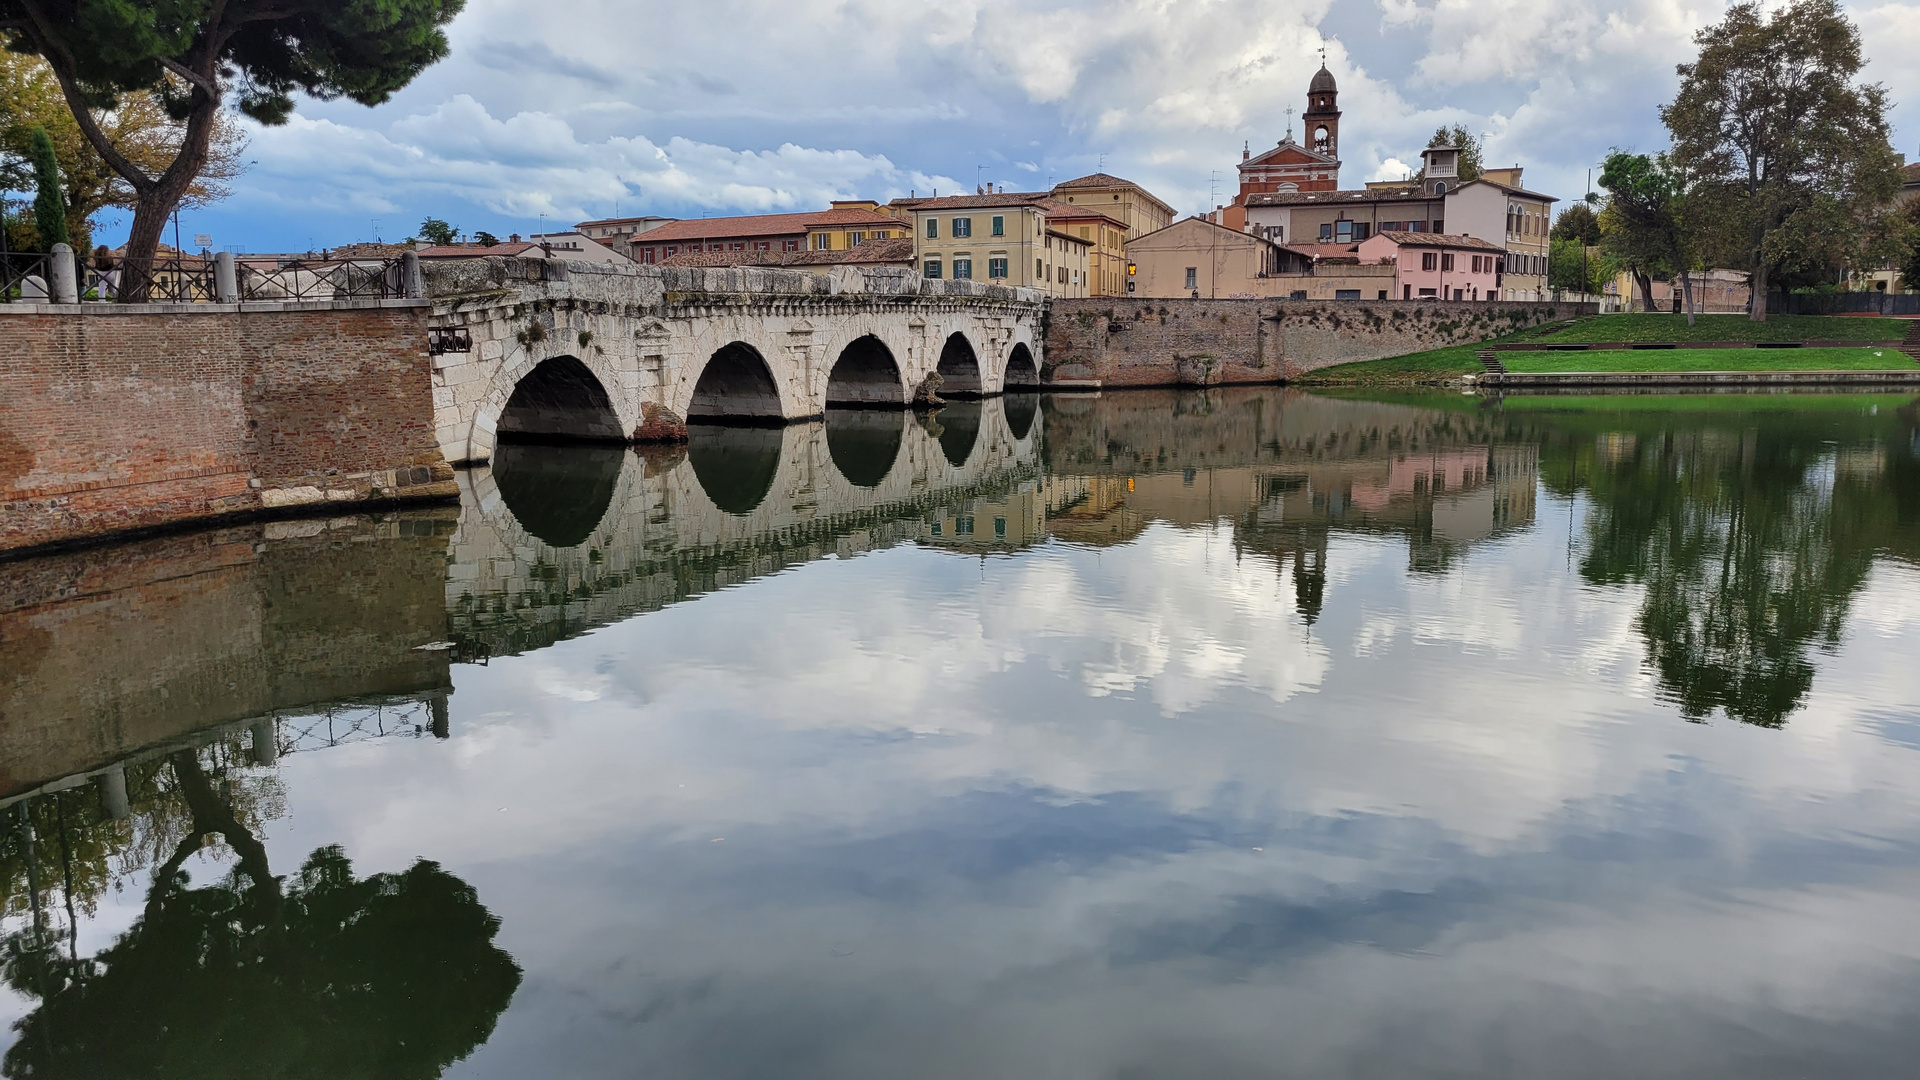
[1228, 734]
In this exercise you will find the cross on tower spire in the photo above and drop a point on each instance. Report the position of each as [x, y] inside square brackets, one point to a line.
[1289, 123]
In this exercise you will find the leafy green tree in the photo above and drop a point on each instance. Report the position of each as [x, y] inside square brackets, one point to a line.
[1578, 222]
[194, 54]
[49, 207]
[486, 239]
[1788, 148]
[1571, 267]
[435, 231]
[328, 975]
[1643, 224]
[1908, 246]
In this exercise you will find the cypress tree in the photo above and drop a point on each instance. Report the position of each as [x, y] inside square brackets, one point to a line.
[49, 204]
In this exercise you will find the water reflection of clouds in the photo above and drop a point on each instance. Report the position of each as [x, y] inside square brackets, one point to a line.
[1122, 811]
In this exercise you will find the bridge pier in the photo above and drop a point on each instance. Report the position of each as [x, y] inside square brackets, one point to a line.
[581, 352]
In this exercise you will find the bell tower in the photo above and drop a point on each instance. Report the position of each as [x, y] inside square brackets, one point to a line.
[1322, 117]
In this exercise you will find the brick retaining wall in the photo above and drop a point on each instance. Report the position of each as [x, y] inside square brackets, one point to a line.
[1115, 342]
[124, 418]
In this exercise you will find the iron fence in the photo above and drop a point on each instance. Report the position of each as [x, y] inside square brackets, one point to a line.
[195, 280]
[22, 275]
[359, 279]
[171, 279]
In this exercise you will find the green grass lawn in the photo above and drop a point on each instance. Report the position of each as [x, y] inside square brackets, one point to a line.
[1709, 360]
[1645, 327]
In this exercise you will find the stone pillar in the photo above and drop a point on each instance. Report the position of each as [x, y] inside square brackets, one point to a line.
[65, 275]
[265, 750]
[113, 793]
[442, 723]
[33, 289]
[412, 285]
[226, 279]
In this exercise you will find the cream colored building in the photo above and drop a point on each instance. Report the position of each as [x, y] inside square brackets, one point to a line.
[1001, 239]
[1133, 206]
[1195, 257]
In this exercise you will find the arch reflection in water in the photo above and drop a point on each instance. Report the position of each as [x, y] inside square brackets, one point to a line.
[1021, 410]
[958, 428]
[558, 493]
[865, 443]
[735, 465]
[560, 400]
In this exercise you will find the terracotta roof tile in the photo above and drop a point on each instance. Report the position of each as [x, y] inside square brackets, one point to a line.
[760, 225]
[1322, 198]
[871, 253]
[1010, 199]
[473, 251]
[1440, 240]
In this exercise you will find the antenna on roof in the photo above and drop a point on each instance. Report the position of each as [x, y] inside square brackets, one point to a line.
[1103, 163]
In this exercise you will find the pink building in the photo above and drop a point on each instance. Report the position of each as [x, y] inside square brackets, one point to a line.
[1437, 265]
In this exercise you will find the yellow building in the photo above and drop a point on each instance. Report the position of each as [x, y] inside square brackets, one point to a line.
[1001, 239]
[1123, 200]
[1107, 240]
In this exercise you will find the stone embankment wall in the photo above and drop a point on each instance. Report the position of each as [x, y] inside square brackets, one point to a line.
[108, 652]
[119, 418]
[1118, 342]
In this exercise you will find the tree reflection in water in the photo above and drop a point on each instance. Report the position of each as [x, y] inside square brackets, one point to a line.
[1751, 534]
[322, 975]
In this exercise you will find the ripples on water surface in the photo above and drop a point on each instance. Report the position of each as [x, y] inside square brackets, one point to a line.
[1204, 735]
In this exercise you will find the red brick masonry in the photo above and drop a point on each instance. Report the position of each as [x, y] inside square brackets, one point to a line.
[121, 418]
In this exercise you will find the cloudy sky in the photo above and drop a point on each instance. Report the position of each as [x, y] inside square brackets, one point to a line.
[553, 113]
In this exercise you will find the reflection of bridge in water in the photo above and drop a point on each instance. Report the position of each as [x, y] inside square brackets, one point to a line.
[554, 541]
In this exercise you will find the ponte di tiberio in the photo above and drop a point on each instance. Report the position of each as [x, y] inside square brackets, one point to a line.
[537, 349]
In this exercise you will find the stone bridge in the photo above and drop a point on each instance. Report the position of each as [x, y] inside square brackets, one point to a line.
[571, 350]
[554, 541]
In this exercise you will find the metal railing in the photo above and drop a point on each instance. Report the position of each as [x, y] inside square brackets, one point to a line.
[22, 275]
[359, 279]
[171, 279]
[194, 279]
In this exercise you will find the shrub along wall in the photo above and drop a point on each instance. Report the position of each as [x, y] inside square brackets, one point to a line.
[1113, 342]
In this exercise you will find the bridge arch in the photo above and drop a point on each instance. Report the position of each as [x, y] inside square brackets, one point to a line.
[959, 368]
[866, 375]
[736, 384]
[560, 400]
[1021, 372]
[555, 398]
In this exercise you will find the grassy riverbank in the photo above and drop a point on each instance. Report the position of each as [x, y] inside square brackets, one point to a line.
[1449, 364]
[1710, 360]
[1643, 327]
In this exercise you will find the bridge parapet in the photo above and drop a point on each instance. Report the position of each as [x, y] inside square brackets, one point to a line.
[606, 352]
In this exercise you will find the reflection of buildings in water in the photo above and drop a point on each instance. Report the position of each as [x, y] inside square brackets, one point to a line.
[989, 524]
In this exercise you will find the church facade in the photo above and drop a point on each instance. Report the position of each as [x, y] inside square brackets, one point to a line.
[1293, 166]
